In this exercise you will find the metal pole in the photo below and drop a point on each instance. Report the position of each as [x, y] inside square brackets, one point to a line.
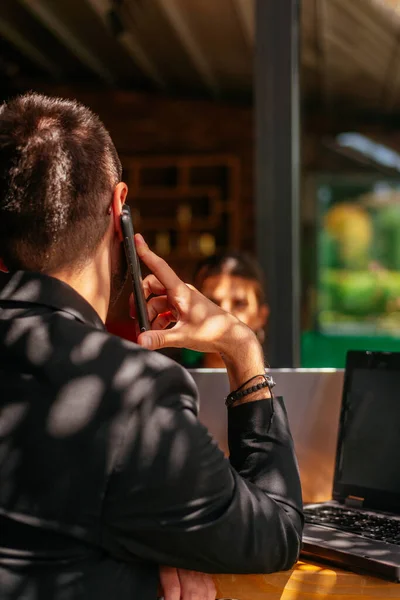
[277, 101]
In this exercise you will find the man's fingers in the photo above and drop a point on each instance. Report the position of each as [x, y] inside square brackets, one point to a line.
[157, 265]
[170, 584]
[159, 305]
[179, 584]
[151, 286]
[211, 589]
[195, 586]
[163, 320]
[156, 306]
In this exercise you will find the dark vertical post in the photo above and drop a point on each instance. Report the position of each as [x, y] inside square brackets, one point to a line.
[277, 103]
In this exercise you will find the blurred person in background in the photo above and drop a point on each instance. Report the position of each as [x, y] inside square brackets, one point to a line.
[234, 281]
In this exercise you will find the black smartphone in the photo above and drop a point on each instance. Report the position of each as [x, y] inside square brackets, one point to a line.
[134, 269]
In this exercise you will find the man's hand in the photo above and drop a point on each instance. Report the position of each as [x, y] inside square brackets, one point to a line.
[199, 323]
[179, 584]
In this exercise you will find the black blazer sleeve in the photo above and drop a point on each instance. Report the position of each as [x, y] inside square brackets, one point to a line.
[173, 497]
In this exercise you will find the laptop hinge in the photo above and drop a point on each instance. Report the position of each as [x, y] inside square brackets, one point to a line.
[354, 502]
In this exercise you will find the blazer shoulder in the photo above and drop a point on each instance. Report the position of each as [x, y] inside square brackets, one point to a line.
[161, 376]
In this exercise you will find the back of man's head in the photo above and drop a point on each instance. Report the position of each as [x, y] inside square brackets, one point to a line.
[58, 168]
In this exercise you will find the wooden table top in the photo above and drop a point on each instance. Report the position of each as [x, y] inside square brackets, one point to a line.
[306, 581]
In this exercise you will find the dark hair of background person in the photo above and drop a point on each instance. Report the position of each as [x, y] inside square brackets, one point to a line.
[58, 168]
[235, 264]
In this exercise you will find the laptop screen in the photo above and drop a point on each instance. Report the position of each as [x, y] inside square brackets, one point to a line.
[369, 442]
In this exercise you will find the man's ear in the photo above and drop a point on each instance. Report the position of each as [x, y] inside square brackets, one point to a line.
[3, 268]
[118, 200]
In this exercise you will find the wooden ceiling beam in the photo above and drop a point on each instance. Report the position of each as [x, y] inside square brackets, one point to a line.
[48, 17]
[321, 42]
[246, 14]
[131, 45]
[391, 81]
[28, 48]
[379, 23]
[188, 40]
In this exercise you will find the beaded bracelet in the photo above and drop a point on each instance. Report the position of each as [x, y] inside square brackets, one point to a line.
[240, 393]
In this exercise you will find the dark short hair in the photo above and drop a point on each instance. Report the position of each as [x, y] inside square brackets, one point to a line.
[235, 264]
[58, 168]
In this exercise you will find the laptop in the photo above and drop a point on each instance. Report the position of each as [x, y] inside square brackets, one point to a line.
[312, 399]
[359, 527]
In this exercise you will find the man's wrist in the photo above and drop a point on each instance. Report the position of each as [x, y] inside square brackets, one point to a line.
[242, 355]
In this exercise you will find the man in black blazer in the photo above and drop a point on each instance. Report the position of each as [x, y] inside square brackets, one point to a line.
[106, 473]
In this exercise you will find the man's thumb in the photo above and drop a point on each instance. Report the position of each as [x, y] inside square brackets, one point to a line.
[152, 340]
[159, 338]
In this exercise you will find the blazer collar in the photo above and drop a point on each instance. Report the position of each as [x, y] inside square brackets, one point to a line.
[25, 287]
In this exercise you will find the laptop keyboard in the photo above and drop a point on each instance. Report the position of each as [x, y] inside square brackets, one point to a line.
[383, 529]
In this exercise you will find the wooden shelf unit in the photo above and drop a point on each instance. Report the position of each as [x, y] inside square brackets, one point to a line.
[185, 206]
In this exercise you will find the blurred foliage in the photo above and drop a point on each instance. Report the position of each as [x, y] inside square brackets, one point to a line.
[359, 266]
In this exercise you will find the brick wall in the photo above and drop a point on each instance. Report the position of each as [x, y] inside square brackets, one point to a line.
[149, 124]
